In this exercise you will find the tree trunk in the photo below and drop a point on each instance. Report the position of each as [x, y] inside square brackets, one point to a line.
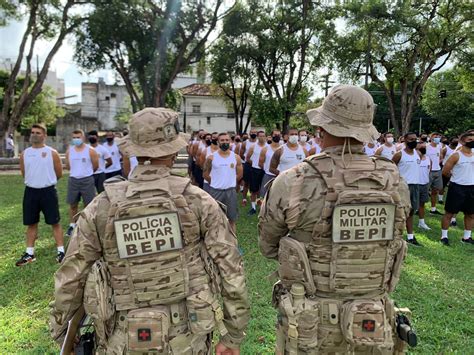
[286, 121]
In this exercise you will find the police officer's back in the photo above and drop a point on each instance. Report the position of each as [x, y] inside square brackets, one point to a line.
[151, 255]
[335, 224]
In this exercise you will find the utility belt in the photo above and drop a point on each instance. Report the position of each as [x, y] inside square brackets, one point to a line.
[311, 325]
[183, 327]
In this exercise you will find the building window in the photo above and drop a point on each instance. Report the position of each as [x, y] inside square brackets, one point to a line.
[208, 120]
[113, 95]
[196, 108]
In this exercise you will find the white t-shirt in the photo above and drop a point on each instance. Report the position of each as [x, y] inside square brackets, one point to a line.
[103, 154]
[39, 167]
[9, 144]
[115, 155]
[409, 166]
[388, 152]
[289, 158]
[425, 170]
[224, 171]
[370, 151]
[434, 153]
[80, 162]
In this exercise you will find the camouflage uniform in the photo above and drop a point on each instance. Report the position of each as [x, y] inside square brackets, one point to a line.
[153, 300]
[332, 296]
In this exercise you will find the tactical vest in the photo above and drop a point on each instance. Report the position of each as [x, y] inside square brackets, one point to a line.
[158, 269]
[352, 260]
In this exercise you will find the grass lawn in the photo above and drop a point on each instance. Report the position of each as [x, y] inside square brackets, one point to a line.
[437, 284]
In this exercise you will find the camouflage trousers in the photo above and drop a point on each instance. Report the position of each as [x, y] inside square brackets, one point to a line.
[137, 336]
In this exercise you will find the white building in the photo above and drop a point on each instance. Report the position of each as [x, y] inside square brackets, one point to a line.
[203, 109]
[104, 102]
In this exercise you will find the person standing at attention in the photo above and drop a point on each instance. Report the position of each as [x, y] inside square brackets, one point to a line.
[41, 168]
[116, 167]
[105, 160]
[81, 160]
[460, 197]
[388, 149]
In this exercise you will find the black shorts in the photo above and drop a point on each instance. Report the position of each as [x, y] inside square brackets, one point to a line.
[113, 173]
[99, 182]
[40, 200]
[460, 198]
[247, 173]
[197, 172]
[256, 181]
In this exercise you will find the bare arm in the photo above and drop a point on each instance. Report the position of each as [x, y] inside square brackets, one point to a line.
[275, 162]
[126, 165]
[249, 156]
[94, 159]
[243, 147]
[22, 164]
[312, 151]
[240, 168]
[448, 167]
[68, 166]
[305, 152]
[261, 158]
[58, 166]
[201, 159]
[378, 152]
[396, 157]
[206, 172]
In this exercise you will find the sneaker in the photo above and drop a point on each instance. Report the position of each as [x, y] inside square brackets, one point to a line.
[69, 231]
[252, 212]
[453, 223]
[467, 241]
[441, 202]
[436, 212]
[424, 226]
[60, 257]
[445, 241]
[413, 242]
[25, 259]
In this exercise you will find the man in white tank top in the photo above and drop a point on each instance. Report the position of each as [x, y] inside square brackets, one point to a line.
[199, 146]
[303, 139]
[116, 167]
[315, 144]
[81, 161]
[288, 155]
[446, 152]
[41, 168]
[460, 197]
[105, 160]
[425, 168]
[212, 147]
[408, 161]
[388, 149]
[433, 151]
[370, 148]
[265, 159]
[223, 170]
[252, 158]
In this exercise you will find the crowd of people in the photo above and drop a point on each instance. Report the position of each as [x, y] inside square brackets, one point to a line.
[227, 165]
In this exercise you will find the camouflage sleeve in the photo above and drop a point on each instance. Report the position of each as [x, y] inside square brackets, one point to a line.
[404, 196]
[84, 248]
[272, 225]
[221, 244]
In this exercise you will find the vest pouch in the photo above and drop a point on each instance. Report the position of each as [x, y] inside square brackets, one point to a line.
[148, 330]
[364, 322]
[203, 311]
[294, 265]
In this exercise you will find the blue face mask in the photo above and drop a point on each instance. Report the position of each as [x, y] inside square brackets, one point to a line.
[76, 141]
[437, 140]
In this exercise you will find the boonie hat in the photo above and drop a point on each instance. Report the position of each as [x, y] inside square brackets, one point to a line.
[153, 132]
[347, 111]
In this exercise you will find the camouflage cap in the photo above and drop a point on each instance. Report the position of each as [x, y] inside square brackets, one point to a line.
[153, 132]
[347, 111]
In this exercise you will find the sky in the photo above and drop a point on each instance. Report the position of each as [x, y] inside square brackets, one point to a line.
[63, 63]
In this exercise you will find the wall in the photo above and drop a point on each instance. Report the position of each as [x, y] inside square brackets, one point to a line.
[213, 107]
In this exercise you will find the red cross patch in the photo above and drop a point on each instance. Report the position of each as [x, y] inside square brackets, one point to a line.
[368, 325]
[144, 334]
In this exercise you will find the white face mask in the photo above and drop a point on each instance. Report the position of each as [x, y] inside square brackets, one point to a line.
[293, 139]
[303, 139]
[390, 140]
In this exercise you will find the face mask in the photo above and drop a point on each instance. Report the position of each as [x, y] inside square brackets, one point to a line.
[253, 136]
[454, 144]
[34, 139]
[469, 144]
[424, 139]
[110, 139]
[76, 141]
[436, 140]
[224, 146]
[303, 139]
[208, 142]
[422, 151]
[293, 139]
[390, 140]
[269, 141]
[411, 145]
[244, 139]
[237, 140]
[214, 141]
[445, 142]
[92, 140]
[276, 139]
